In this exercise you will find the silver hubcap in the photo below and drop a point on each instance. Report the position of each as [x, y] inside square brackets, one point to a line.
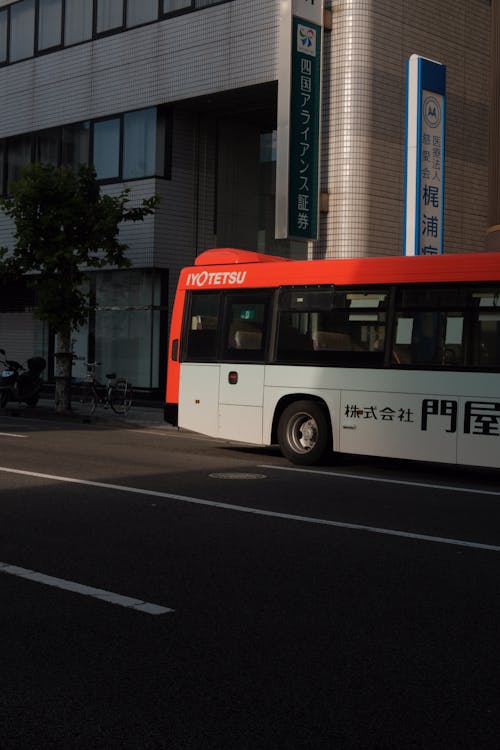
[302, 432]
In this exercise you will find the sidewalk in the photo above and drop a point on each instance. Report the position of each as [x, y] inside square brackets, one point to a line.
[142, 414]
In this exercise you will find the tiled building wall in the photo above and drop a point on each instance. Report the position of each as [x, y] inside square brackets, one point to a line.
[226, 47]
[234, 45]
[364, 120]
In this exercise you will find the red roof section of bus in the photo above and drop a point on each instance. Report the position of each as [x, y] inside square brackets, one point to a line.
[225, 255]
[270, 271]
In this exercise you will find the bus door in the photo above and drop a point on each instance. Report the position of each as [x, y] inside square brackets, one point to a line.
[243, 353]
[199, 368]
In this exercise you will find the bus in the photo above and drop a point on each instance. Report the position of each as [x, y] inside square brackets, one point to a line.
[393, 356]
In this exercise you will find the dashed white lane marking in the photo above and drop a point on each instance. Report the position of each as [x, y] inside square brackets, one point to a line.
[265, 513]
[359, 477]
[79, 588]
[12, 434]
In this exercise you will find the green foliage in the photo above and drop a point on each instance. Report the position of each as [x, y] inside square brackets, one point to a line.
[63, 227]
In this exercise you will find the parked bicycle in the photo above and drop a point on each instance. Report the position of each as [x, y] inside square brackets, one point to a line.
[115, 393]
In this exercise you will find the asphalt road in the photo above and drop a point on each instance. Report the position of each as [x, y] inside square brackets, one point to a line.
[186, 593]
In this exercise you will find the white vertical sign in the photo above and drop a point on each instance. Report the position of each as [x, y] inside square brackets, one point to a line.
[425, 135]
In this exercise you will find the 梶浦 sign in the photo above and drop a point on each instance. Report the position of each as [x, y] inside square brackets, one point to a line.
[425, 129]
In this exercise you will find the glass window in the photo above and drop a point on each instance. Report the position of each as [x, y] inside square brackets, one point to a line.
[429, 338]
[3, 36]
[245, 326]
[106, 156]
[2, 167]
[18, 155]
[169, 6]
[47, 143]
[203, 322]
[75, 144]
[426, 333]
[336, 328]
[77, 21]
[109, 15]
[22, 30]
[49, 23]
[139, 143]
[486, 328]
[125, 320]
[205, 3]
[141, 11]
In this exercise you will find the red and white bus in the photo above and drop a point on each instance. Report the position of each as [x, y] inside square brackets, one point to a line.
[394, 356]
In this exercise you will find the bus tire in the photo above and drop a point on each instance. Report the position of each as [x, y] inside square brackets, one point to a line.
[304, 432]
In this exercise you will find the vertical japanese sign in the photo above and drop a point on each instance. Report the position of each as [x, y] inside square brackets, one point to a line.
[299, 99]
[425, 136]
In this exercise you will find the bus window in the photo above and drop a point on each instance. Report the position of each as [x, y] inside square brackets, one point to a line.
[426, 332]
[486, 328]
[340, 328]
[245, 325]
[201, 327]
[294, 340]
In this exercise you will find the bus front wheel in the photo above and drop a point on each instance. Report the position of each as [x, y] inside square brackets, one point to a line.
[304, 432]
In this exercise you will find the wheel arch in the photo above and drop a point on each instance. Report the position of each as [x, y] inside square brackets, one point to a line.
[285, 401]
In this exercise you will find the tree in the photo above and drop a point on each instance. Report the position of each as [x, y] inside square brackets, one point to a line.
[64, 226]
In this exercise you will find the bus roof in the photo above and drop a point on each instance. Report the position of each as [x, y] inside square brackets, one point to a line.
[232, 268]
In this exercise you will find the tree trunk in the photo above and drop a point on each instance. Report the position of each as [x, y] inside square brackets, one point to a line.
[63, 367]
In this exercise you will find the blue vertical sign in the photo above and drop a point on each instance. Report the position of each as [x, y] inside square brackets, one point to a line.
[425, 149]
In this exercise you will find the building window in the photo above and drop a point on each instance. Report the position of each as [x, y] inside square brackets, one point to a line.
[2, 166]
[47, 146]
[129, 146]
[49, 23]
[141, 11]
[19, 153]
[109, 15]
[22, 30]
[77, 21]
[170, 6]
[75, 144]
[106, 148]
[139, 143]
[30, 26]
[3, 35]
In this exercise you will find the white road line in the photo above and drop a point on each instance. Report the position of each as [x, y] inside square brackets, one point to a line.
[79, 588]
[359, 477]
[260, 512]
[11, 434]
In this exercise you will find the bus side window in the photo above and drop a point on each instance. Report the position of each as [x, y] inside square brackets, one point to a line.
[429, 338]
[202, 325]
[487, 352]
[245, 326]
[294, 338]
[486, 328]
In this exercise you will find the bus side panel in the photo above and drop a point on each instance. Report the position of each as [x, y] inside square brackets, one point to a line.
[479, 430]
[199, 398]
[241, 397]
[398, 425]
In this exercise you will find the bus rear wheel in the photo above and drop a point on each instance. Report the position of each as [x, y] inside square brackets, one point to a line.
[304, 432]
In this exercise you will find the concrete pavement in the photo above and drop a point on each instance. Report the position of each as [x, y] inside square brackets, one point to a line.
[142, 413]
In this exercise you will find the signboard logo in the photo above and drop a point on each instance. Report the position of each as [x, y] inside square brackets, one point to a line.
[432, 111]
[306, 40]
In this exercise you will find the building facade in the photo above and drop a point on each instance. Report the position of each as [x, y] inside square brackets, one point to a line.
[179, 98]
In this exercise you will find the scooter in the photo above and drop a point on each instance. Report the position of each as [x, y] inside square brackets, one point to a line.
[21, 384]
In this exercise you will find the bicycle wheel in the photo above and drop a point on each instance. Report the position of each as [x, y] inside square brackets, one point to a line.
[86, 399]
[120, 396]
